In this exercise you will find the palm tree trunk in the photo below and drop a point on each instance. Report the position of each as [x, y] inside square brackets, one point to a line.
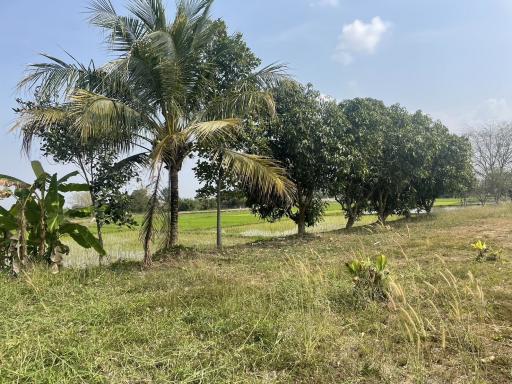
[219, 211]
[174, 207]
[167, 205]
[147, 229]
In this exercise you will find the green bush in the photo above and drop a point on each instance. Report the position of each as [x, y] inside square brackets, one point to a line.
[370, 278]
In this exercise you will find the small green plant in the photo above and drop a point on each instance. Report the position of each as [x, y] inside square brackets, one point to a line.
[370, 278]
[33, 228]
[485, 253]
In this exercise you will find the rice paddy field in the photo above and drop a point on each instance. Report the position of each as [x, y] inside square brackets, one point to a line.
[282, 310]
[197, 230]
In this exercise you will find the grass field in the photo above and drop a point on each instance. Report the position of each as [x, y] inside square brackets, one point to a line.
[280, 311]
[197, 230]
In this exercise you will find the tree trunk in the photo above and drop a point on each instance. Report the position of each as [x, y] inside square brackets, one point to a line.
[42, 228]
[100, 240]
[98, 225]
[168, 199]
[381, 214]
[148, 259]
[22, 236]
[219, 211]
[301, 224]
[350, 221]
[174, 207]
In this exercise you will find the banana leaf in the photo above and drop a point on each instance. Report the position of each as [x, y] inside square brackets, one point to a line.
[73, 187]
[82, 236]
[38, 169]
[65, 178]
[54, 203]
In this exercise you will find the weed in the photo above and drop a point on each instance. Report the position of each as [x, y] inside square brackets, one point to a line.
[370, 278]
[485, 253]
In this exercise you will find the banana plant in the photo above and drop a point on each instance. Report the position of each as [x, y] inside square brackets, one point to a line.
[38, 219]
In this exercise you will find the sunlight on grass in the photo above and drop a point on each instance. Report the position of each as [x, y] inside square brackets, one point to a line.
[197, 230]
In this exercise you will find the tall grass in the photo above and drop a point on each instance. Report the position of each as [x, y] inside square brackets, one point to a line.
[280, 311]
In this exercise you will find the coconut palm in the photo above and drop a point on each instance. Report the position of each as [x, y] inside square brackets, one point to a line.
[157, 94]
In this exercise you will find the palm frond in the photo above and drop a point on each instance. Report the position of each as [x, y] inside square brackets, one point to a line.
[259, 173]
[196, 8]
[139, 159]
[122, 31]
[270, 76]
[150, 12]
[33, 121]
[215, 132]
[171, 147]
[240, 102]
[52, 77]
[250, 94]
[96, 114]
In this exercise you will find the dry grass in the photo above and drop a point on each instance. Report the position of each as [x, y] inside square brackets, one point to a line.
[278, 311]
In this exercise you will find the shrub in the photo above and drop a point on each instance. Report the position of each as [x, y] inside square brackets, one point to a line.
[485, 253]
[370, 278]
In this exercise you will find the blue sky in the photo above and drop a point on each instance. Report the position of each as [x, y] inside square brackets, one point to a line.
[452, 59]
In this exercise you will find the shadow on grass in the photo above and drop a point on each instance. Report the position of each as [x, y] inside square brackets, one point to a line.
[286, 241]
[180, 253]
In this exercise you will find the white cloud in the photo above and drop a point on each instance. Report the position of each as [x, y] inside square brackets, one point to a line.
[325, 3]
[359, 37]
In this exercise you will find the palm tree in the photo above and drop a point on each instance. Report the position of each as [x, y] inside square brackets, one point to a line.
[251, 171]
[156, 94]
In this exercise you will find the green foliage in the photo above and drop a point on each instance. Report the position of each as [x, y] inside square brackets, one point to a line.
[352, 181]
[181, 86]
[444, 163]
[139, 200]
[398, 161]
[303, 143]
[38, 219]
[233, 61]
[370, 278]
[96, 159]
[159, 94]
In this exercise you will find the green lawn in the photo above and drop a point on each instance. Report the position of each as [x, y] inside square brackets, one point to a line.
[281, 311]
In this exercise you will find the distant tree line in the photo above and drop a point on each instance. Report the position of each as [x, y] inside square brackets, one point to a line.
[139, 200]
